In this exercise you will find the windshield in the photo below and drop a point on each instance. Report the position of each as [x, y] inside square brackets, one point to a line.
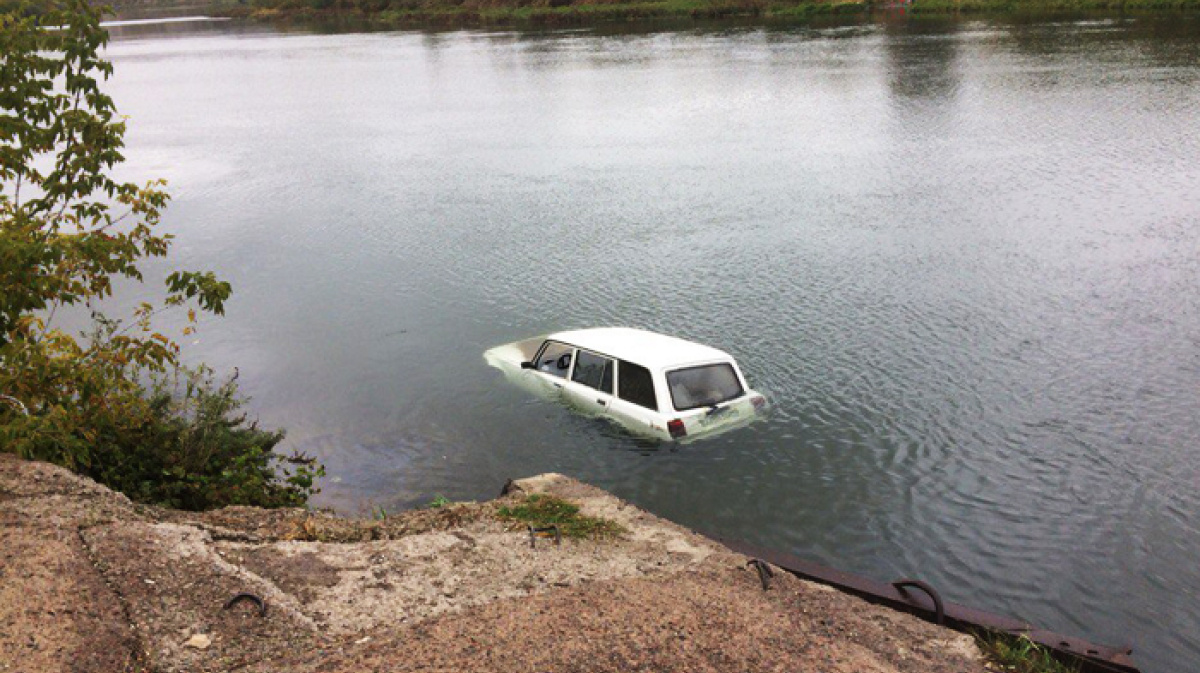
[703, 386]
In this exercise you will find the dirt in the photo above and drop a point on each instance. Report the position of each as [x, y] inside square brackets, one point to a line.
[92, 582]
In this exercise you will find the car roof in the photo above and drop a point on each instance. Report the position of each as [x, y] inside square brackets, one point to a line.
[642, 347]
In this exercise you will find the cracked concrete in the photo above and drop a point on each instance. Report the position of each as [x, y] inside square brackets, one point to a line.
[92, 582]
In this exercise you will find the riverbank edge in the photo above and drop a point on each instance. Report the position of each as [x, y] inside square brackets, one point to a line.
[437, 14]
[94, 582]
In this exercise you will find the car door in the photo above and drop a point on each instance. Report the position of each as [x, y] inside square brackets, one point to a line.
[590, 385]
[635, 404]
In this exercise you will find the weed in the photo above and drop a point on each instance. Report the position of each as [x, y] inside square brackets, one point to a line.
[541, 511]
[1019, 654]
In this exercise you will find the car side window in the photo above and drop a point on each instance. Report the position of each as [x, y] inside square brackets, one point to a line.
[555, 359]
[636, 385]
[593, 371]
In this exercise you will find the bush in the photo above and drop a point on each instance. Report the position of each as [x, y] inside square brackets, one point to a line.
[183, 441]
[372, 6]
[116, 406]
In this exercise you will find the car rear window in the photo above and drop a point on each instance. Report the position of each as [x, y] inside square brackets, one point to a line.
[634, 384]
[703, 386]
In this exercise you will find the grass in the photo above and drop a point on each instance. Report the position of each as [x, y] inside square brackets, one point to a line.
[541, 511]
[439, 501]
[1019, 654]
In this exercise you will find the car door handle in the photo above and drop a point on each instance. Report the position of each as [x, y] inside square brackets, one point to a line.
[599, 401]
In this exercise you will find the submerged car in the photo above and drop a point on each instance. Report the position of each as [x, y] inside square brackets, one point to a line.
[652, 384]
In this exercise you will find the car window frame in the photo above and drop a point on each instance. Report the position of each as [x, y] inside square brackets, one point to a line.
[537, 359]
[613, 361]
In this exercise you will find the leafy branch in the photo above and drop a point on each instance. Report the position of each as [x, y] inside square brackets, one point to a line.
[98, 402]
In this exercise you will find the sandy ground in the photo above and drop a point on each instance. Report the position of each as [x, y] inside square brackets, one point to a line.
[92, 582]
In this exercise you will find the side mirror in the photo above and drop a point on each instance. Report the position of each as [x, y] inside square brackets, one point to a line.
[526, 365]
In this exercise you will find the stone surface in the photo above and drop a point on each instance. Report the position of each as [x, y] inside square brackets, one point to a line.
[57, 613]
[92, 582]
[198, 641]
[706, 621]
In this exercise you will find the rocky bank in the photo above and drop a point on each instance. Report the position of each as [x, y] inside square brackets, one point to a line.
[92, 582]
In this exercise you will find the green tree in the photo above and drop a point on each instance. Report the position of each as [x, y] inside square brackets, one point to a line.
[113, 403]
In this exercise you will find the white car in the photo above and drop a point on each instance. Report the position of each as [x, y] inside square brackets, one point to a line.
[650, 383]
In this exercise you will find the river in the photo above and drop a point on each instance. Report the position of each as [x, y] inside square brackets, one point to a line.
[962, 258]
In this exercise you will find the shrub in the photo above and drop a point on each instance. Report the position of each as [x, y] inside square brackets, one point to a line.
[182, 442]
[101, 404]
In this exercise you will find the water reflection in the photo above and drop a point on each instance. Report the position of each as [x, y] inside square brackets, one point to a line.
[923, 67]
[130, 26]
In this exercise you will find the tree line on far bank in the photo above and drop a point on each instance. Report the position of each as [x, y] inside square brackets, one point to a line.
[113, 402]
[436, 13]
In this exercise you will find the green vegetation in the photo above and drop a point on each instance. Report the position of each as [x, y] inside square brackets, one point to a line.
[112, 403]
[1047, 6]
[542, 511]
[578, 12]
[536, 12]
[1019, 654]
[439, 501]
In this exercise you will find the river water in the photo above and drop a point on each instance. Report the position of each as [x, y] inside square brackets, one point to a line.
[962, 259]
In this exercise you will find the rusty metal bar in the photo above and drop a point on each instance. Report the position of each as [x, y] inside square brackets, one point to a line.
[939, 610]
[764, 572]
[1092, 658]
[535, 533]
[244, 596]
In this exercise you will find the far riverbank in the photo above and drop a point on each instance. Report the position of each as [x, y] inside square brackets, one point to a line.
[473, 13]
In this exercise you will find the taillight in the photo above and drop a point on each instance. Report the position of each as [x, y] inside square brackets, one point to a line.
[676, 428]
[758, 401]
